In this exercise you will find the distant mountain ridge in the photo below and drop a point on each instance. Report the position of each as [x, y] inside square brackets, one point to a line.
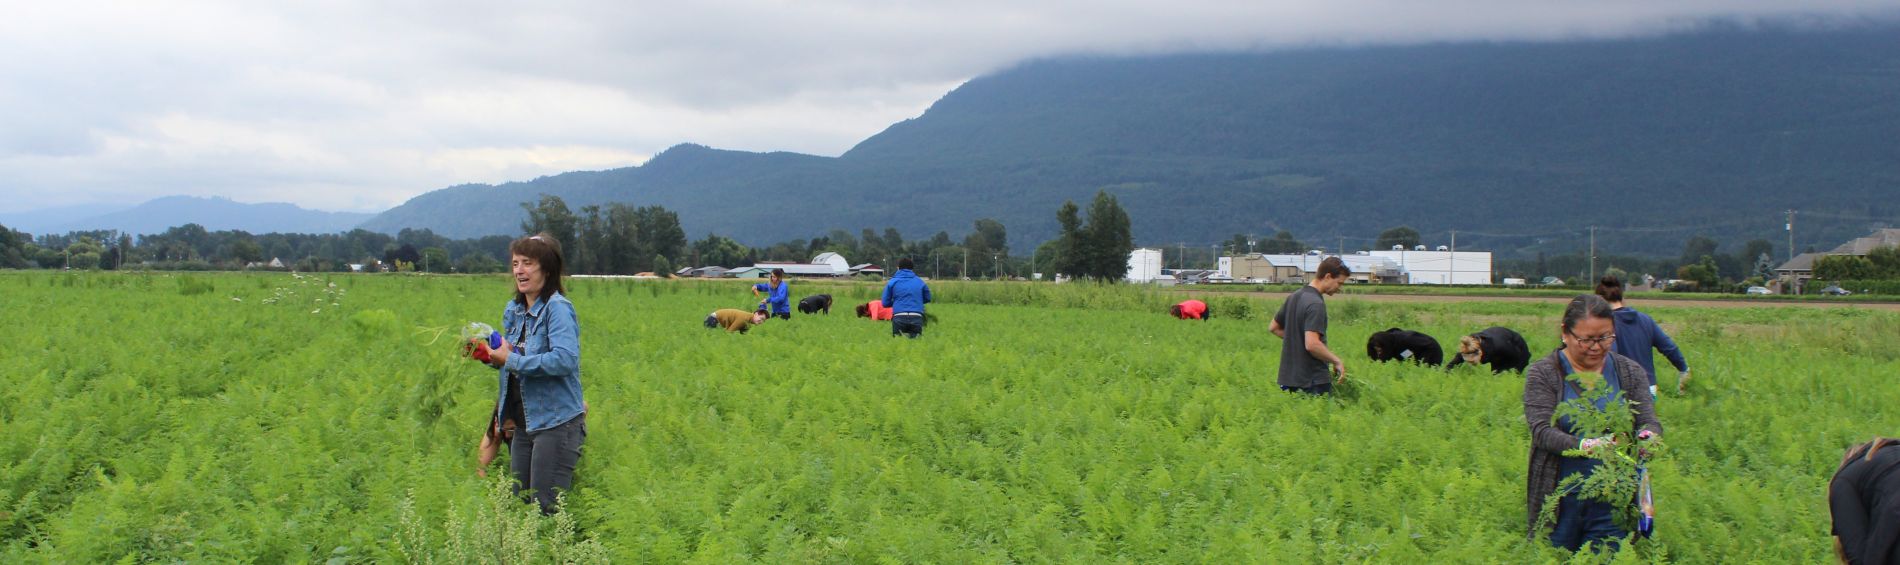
[1521, 146]
[159, 214]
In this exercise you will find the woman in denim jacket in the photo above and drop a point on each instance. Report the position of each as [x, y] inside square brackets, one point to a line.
[540, 362]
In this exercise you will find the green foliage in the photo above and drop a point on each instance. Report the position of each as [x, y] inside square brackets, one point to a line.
[1403, 236]
[1098, 249]
[1844, 267]
[1032, 423]
[1615, 480]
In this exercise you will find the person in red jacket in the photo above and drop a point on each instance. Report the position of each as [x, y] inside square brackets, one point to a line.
[1190, 310]
[874, 310]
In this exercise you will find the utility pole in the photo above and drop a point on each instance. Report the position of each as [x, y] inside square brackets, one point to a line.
[966, 264]
[996, 265]
[1181, 262]
[1790, 234]
[1593, 255]
[1454, 257]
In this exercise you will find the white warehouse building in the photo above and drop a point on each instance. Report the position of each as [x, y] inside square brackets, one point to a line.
[1144, 265]
[1441, 267]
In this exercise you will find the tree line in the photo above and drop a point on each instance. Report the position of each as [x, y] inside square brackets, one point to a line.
[616, 238]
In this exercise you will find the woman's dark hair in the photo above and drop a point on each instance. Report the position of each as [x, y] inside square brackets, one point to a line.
[1610, 289]
[546, 252]
[1585, 306]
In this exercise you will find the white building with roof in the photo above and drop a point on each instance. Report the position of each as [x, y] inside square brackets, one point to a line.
[826, 264]
[1441, 267]
[1144, 265]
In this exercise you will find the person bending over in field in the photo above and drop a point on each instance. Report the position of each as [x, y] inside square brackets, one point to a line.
[1638, 337]
[1586, 331]
[1301, 326]
[540, 379]
[735, 320]
[1864, 500]
[778, 295]
[906, 294]
[1190, 310]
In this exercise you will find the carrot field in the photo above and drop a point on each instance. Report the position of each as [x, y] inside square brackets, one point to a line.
[326, 418]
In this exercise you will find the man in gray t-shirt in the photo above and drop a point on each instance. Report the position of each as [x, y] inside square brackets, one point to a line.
[1304, 356]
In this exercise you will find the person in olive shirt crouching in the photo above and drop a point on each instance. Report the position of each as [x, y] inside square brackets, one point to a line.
[735, 320]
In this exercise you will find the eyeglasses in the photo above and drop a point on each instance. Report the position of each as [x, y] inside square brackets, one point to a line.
[1599, 341]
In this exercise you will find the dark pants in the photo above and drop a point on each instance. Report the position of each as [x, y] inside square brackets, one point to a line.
[1316, 390]
[909, 326]
[544, 461]
[1581, 521]
[785, 315]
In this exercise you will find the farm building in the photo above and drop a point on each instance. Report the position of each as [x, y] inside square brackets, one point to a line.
[1441, 267]
[1144, 265]
[1266, 268]
[824, 265]
[1800, 269]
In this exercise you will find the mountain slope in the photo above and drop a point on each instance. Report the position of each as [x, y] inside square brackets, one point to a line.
[159, 214]
[1519, 145]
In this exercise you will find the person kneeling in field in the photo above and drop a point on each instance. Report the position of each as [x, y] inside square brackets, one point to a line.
[907, 295]
[1864, 499]
[735, 320]
[1190, 310]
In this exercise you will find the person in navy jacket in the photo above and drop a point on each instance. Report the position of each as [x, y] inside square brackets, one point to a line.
[1638, 336]
[906, 294]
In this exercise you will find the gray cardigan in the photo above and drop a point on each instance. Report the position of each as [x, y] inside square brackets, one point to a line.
[1543, 389]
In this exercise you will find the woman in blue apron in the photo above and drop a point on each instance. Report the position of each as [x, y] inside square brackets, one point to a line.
[1587, 330]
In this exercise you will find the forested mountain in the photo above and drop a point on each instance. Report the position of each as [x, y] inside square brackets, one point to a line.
[1519, 146]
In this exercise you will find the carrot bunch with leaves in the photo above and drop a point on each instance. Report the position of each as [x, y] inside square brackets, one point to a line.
[1621, 450]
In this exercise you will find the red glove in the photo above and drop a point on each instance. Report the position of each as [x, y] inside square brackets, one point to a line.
[477, 350]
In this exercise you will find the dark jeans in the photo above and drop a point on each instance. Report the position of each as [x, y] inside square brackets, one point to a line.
[544, 461]
[1316, 390]
[1581, 521]
[909, 326]
[784, 315]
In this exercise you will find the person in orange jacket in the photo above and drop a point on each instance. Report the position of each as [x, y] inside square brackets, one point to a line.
[1190, 310]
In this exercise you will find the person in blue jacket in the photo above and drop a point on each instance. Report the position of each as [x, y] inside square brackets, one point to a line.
[1638, 336]
[777, 294]
[540, 363]
[906, 294]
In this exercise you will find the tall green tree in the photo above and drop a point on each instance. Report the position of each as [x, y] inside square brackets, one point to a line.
[551, 215]
[988, 244]
[1098, 249]
[660, 234]
[1402, 235]
[1283, 243]
[1071, 251]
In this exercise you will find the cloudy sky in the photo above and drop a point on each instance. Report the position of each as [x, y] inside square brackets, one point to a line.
[359, 105]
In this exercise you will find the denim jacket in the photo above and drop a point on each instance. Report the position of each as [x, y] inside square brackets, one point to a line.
[548, 359]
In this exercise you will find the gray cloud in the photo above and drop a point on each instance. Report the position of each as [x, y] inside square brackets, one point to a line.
[360, 105]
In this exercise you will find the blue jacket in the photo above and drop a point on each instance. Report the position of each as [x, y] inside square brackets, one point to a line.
[906, 293]
[1637, 334]
[780, 297]
[548, 359]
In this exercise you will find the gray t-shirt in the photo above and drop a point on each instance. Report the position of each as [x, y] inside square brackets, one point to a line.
[1304, 311]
